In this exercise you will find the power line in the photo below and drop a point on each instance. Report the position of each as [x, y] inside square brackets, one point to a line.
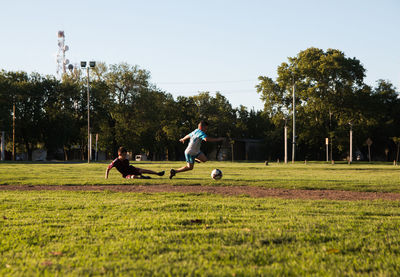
[223, 92]
[206, 82]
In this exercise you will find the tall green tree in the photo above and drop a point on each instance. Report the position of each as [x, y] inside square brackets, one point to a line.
[219, 114]
[6, 101]
[24, 95]
[136, 109]
[64, 116]
[329, 88]
[384, 107]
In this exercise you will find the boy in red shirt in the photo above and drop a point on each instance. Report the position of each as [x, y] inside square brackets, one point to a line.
[128, 171]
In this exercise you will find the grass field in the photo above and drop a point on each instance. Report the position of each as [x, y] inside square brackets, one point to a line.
[356, 177]
[63, 233]
[72, 233]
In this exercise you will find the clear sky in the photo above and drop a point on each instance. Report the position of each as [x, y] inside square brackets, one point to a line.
[209, 45]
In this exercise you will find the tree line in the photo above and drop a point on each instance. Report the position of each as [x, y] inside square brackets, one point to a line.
[331, 98]
[127, 109]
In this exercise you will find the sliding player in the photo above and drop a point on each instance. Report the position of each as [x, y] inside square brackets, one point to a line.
[128, 171]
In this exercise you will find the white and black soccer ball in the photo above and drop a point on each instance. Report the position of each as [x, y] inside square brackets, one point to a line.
[216, 174]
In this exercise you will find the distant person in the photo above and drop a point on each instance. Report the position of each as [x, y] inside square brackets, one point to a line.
[128, 171]
[192, 152]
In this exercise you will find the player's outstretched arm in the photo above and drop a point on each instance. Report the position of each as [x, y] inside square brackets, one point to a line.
[111, 165]
[107, 171]
[208, 139]
[184, 138]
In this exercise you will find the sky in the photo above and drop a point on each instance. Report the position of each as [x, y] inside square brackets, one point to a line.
[209, 45]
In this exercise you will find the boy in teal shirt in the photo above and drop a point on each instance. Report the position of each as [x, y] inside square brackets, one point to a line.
[193, 152]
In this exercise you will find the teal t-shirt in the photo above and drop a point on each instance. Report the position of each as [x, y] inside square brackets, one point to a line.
[196, 137]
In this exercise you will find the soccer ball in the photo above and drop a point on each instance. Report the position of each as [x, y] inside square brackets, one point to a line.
[216, 174]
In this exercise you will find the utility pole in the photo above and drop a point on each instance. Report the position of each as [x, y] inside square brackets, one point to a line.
[351, 143]
[294, 123]
[285, 138]
[327, 148]
[97, 139]
[3, 158]
[13, 147]
[330, 130]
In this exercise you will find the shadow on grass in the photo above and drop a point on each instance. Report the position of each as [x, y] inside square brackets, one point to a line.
[277, 241]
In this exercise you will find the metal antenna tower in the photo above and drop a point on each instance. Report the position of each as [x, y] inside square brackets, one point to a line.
[62, 62]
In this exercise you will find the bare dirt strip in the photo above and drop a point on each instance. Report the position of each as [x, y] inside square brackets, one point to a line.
[259, 192]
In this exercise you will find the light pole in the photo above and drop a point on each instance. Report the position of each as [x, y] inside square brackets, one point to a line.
[91, 65]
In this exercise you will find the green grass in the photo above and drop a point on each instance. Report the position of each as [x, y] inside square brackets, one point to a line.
[67, 233]
[358, 177]
[103, 233]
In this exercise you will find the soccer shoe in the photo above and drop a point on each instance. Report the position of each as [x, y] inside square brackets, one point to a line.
[172, 173]
[144, 177]
[161, 173]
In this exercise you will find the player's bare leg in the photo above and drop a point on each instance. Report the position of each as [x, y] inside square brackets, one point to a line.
[201, 158]
[189, 166]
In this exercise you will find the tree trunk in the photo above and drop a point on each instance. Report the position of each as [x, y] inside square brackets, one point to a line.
[369, 153]
[65, 154]
[28, 151]
[83, 151]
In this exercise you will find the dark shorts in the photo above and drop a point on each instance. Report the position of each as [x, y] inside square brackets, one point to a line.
[131, 171]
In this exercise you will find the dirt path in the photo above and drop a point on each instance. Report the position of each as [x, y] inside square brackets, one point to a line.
[258, 192]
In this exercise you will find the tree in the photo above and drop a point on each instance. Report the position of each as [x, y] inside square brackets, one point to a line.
[6, 102]
[24, 95]
[219, 114]
[329, 86]
[385, 108]
[64, 114]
